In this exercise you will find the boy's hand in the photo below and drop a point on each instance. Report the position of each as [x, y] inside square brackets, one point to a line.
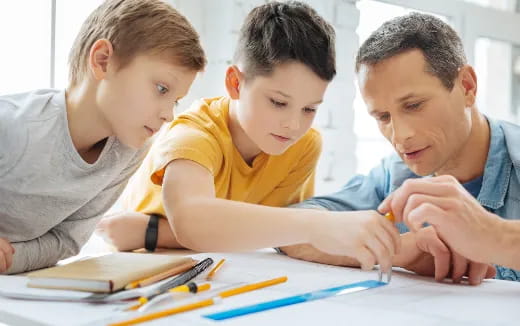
[124, 230]
[6, 255]
[426, 254]
[364, 235]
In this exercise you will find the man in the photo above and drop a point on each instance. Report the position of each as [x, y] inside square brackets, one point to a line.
[414, 78]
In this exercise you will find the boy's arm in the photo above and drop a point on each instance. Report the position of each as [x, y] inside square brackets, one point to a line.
[205, 223]
[359, 193]
[67, 238]
[202, 222]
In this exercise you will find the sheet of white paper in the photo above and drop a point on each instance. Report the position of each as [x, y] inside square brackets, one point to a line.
[408, 300]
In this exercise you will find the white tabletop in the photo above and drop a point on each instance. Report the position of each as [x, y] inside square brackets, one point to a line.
[408, 300]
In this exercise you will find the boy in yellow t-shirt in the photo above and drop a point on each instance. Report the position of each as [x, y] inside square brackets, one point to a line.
[223, 169]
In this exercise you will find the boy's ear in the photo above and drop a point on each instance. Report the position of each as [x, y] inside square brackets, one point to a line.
[99, 58]
[233, 79]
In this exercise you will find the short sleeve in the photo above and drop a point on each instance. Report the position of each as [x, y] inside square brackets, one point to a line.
[185, 141]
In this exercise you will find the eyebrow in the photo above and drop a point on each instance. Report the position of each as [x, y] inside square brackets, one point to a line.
[375, 113]
[289, 96]
[406, 97]
[281, 93]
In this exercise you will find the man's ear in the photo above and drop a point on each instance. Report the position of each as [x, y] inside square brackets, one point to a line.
[100, 56]
[233, 79]
[468, 80]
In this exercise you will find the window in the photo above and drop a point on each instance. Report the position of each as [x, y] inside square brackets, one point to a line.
[70, 15]
[26, 45]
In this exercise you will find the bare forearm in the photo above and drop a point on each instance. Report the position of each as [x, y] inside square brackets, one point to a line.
[406, 256]
[165, 237]
[309, 253]
[212, 224]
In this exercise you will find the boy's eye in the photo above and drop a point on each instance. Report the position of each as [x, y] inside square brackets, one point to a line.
[309, 110]
[162, 89]
[385, 117]
[277, 104]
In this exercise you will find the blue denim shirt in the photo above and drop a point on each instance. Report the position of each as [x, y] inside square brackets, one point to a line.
[500, 191]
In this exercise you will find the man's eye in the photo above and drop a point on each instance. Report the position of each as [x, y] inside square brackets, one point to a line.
[414, 106]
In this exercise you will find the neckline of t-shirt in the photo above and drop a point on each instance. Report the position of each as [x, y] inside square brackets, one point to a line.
[59, 100]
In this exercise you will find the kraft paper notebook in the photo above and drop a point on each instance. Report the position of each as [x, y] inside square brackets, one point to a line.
[104, 274]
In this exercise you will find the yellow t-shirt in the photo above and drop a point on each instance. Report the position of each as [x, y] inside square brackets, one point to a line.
[201, 134]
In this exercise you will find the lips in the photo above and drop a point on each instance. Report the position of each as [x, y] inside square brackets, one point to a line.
[151, 131]
[282, 139]
[415, 154]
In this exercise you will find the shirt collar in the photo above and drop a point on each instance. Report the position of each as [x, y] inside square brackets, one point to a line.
[497, 171]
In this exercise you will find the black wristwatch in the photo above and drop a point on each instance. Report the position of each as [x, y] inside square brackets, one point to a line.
[152, 232]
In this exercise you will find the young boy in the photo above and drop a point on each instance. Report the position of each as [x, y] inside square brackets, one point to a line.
[66, 155]
[217, 169]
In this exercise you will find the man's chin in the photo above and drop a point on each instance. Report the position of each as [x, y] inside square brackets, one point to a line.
[421, 170]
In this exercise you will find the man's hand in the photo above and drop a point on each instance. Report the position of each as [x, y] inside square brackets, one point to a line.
[457, 217]
[426, 254]
[6, 255]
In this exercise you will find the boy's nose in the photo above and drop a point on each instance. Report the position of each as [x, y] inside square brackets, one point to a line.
[167, 114]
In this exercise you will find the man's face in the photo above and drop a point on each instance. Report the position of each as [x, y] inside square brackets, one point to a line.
[427, 124]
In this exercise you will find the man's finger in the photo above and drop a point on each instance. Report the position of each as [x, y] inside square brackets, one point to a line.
[425, 213]
[460, 266]
[491, 271]
[440, 252]
[477, 272]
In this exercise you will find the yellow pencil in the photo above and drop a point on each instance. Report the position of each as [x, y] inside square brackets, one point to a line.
[215, 269]
[202, 303]
[161, 276]
[190, 287]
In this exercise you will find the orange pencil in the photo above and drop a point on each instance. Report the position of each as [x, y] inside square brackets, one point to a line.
[161, 276]
[215, 269]
[390, 216]
[202, 303]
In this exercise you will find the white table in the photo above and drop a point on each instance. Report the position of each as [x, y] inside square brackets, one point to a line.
[408, 300]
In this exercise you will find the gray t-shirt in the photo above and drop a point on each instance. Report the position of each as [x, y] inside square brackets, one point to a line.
[50, 198]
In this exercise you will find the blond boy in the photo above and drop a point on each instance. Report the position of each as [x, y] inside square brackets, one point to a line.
[66, 155]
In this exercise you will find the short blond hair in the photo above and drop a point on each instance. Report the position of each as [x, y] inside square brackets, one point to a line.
[137, 27]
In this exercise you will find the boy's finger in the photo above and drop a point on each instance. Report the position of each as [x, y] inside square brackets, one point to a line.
[5, 246]
[366, 259]
[3, 263]
[8, 260]
[394, 235]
